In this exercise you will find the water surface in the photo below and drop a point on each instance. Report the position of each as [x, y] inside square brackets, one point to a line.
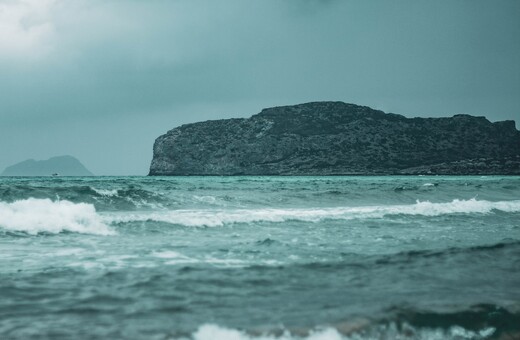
[260, 257]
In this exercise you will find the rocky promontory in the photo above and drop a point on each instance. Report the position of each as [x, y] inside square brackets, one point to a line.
[335, 138]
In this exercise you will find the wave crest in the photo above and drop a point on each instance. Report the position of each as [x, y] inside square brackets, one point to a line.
[347, 332]
[34, 216]
[219, 217]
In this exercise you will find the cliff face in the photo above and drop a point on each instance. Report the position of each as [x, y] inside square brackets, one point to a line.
[333, 138]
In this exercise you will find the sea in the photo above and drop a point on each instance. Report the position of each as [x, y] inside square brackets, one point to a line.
[236, 258]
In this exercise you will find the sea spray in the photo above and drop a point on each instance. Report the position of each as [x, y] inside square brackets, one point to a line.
[35, 216]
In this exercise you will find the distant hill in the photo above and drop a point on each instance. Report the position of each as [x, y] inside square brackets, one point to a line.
[335, 138]
[61, 165]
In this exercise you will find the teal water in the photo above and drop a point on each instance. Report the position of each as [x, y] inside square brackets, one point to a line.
[260, 258]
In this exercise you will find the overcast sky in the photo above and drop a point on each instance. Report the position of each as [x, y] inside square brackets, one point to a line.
[101, 79]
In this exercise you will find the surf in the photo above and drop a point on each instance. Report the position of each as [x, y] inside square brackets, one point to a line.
[34, 216]
[221, 217]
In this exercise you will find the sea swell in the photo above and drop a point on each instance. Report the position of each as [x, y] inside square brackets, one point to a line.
[112, 198]
[221, 217]
[387, 331]
[124, 194]
[474, 322]
[248, 258]
[35, 216]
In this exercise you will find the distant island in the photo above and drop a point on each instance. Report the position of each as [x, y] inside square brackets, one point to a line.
[55, 166]
[335, 138]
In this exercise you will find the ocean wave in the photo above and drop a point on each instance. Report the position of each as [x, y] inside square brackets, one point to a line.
[34, 216]
[414, 254]
[345, 332]
[215, 332]
[217, 217]
[415, 257]
[483, 321]
[101, 196]
[105, 192]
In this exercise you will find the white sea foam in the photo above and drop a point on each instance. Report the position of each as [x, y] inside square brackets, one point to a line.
[205, 199]
[391, 331]
[219, 217]
[235, 263]
[68, 252]
[214, 332]
[168, 254]
[106, 192]
[35, 216]
[174, 258]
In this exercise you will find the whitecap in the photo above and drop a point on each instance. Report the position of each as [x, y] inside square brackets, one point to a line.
[235, 263]
[174, 258]
[105, 192]
[35, 216]
[167, 254]
[215, 332]
[205, 199]
[220, 217]
[390, 331]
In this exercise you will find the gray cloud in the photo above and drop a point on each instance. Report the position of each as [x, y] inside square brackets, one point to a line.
[113, 75]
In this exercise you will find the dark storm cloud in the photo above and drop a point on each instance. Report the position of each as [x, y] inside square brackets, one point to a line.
[126, 71]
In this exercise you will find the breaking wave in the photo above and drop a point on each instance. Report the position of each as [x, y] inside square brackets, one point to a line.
[482, 321]
[34, 216]
[216, 217]
[105, 192]
[390, 331]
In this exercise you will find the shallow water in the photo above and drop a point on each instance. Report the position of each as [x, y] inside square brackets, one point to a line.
[260, 257]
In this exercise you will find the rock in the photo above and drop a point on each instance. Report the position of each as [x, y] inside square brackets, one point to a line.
[335, 138]
[62, 166]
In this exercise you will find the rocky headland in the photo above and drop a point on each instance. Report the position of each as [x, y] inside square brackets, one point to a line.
[335, 138]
